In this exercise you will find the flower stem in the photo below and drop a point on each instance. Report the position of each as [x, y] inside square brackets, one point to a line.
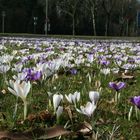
[25, 109]
[16, 106]
[116, 97]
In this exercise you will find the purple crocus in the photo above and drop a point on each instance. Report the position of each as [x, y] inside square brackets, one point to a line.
[117, 86]
[33, 75]
[104, 62]
[73, 71]
[136, 101]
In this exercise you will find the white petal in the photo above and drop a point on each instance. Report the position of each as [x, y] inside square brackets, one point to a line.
[78, 96]
[94, 96]
[78, 110]
[89, 109]
[26, 89]
[56, 100]
[12, 91]
[59, 111]
[68, 98]
[19, 90]
[11, 83]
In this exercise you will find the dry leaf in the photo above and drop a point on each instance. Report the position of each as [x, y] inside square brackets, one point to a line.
[85, 128]
[42, 116]
[127, 76]
[48, 133]
[31, 117]
[45, 115]
[68, 109]
[5, 135]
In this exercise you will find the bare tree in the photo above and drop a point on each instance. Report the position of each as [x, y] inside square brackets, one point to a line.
[108, 6]
[127, 15]
[69, 7]
[92, 6]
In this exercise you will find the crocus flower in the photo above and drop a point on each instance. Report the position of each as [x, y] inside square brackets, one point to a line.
[73, 71]
[4, 68]
[94, 96]
[56, 100]
[90, 57]
[20, 76]
[20, 90]
[117, 86]
[105, 71]
[33, 75]
[88, 109]
[104, 62]
[59, 111]
[136, 101]
[73, 98]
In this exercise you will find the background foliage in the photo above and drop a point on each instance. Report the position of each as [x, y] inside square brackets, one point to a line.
[80, 17]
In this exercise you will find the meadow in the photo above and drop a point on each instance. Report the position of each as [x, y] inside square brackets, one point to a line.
[69, 89]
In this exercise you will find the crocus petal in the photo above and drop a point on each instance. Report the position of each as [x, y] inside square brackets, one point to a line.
[113, 85]
[18, 90]
[94, 96]
[56, 100]
[11, 83]
[116, 86]
[77, 94]
[136, 101]
[120, 85]
[68, 97]
[26, 88]
[89, 109]
[59, 111]
[12, 91]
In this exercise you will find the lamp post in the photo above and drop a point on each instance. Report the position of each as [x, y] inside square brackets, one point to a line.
[3, 20]
[35, 23]
[46, 25]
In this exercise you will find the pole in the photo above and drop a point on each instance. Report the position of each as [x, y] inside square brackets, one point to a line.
[46, 26]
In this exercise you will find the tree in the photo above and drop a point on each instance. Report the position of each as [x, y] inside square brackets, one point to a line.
[92, 5]
[108, 6]
[127, 15]
[69, 7]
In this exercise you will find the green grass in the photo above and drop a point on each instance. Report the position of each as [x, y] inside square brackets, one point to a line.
[107, 117]
[82, 37]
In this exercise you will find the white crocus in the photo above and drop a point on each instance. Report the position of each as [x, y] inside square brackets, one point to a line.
[59, 111]
[56, 100]
[105, 71]
[20, 76]
[88, 109]
[73, 98]
[20, 89]
[94, 96]
[17, 67]
[4, 68]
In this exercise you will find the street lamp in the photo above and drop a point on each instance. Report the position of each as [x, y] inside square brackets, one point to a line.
[35, 23]
[3, 20]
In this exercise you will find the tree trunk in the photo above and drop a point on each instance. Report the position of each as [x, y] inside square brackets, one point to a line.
[93, 21]
[127, 27]
[73, 25]
[107, 26]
